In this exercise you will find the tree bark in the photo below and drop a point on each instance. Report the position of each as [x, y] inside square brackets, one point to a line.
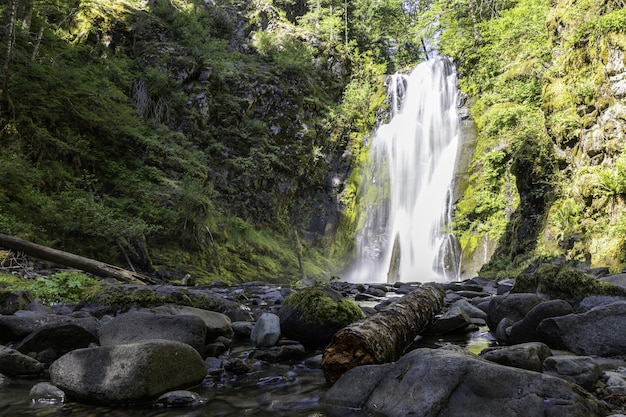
[75, 261]
[12, 16]
[384, 336]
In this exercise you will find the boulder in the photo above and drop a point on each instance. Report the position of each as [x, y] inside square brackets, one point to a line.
[127, 373]
[599, 331]
[524, 356]
[313, 315]
[453, 319]
[57, 338]
[138, 326]
[581, 370]
[594, 301]
[266, 331]
[14, 363]
[470, 309]
[525, 330]
[617, 279]
[243, 328]
[217, 324]
[441, 382]
[16, 328]
[511, 306]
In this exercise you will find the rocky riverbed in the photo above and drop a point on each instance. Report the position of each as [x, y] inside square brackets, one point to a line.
[221, 350]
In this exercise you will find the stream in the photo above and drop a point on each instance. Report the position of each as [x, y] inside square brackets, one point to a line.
[269, 390]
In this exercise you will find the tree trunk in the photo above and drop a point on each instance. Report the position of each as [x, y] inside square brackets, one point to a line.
[44, 19]
[10, 40]
[384, 336]
[74, 261]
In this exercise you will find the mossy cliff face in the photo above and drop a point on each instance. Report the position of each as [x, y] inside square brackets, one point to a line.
[548, 178]
[183, 136]
[584, 106]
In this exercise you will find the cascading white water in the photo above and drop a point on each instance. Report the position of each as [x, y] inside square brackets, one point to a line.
[406, 194]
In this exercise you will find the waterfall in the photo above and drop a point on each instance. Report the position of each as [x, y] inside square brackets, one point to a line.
[406, 191]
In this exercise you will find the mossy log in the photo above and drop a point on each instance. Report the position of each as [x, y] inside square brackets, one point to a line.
[384, 336]
[72, 260]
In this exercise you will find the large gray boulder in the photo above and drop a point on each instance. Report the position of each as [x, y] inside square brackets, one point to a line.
[441, 382]
[138, 326]
[217, 324]
[128, 373]
[581, 370]
[524, 356]
[599, 331]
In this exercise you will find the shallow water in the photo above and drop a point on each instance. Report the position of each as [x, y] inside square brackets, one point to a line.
[269, 390]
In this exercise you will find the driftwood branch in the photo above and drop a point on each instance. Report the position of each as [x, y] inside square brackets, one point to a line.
[71, 260]
[384, 336]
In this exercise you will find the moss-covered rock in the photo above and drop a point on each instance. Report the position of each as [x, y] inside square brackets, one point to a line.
[313, 315]
[124, 297]
[563, 282]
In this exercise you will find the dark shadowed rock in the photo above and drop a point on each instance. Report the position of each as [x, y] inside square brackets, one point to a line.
[12, 301]
[511, 306]
[453, 319]
[525, 330]
[438, 383]
[128, 373]
[60, 338]
[140, 326]
[600, 331]
[14, 363]
[16, 328]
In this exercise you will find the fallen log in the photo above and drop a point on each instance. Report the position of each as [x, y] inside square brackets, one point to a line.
[384, 336]
[72, 260]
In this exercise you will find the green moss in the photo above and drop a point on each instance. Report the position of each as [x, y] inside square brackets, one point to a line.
[124, 298]
[322, 305]
[563, 282]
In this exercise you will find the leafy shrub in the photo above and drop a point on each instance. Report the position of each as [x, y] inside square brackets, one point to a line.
[63, 286]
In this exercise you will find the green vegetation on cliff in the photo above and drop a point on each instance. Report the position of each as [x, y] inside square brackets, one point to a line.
[224, 138]
[548, 171]
[215, 138]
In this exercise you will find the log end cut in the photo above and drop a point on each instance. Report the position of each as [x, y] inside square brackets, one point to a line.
[346, 351]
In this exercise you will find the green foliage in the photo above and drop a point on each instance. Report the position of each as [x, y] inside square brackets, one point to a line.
[614, 21]
[59, 287]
